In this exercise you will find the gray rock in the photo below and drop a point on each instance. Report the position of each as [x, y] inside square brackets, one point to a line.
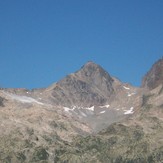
[154, 77]
[91, 85]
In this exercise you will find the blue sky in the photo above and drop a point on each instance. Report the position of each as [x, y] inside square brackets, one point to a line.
[41, 41]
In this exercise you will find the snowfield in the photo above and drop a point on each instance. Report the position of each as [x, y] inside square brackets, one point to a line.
[131, 111]
[131, 94]
[23, 99]
[105, 106]
[126, 88]
[78, 107]
[102, 112]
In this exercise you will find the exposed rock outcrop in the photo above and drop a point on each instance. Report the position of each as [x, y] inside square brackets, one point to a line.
[91, 85]
[154, 77]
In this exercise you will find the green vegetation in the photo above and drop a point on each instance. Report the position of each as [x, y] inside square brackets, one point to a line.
[21, 157]
[118, 143]
[60, 126]
[40, 154]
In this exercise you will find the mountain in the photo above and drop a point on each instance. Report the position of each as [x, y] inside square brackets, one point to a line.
[88, 116]
[91, 85]
[155, 76]
[87, 94]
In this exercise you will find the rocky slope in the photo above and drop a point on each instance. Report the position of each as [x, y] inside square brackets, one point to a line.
[155, 76]
[91, 85]
[137, 139]
[89, 116]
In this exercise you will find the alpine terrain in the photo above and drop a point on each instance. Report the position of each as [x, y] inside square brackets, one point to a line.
[87, 117]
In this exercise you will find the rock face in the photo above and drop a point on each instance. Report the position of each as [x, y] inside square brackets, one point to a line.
[154, 77]
[1, 101]
[91, 85]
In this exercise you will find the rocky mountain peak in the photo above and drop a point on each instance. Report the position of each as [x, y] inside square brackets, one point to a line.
[91, 66]
[91, 85]
[154, 77]
[94, 72]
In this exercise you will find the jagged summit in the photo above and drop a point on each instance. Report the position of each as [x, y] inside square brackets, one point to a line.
[154, 77]
[90, 65]
[91, 85]
[91, 69]
[95, 74]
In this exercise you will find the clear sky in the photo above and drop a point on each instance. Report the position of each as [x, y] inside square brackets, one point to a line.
[41, 41]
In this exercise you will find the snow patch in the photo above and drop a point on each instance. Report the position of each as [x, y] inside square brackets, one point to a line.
[23, 99]
[78, 107]
[66, 109]
[126, 88]
[131, 94]
[130, 111]
[105, 106]
[91, 108]
[102, 112]
[87, 108]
